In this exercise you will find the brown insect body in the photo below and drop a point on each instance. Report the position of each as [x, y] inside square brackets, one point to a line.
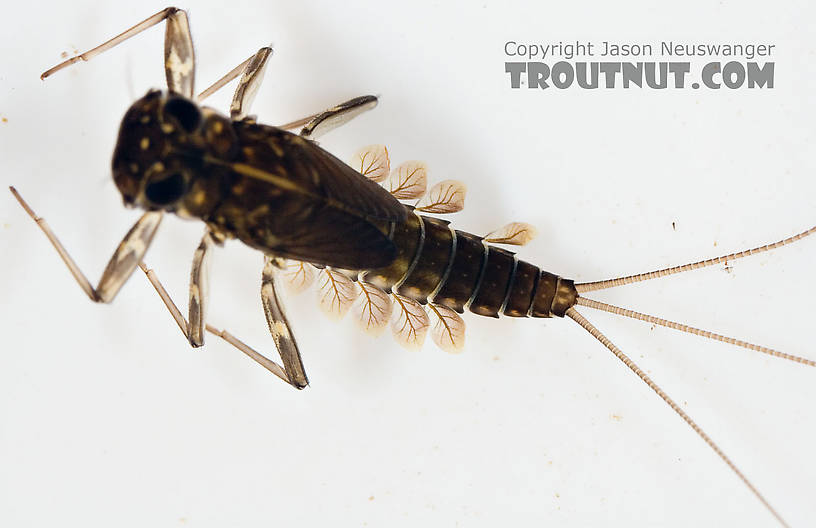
[284, 195]
[273, 190]
[459, 270]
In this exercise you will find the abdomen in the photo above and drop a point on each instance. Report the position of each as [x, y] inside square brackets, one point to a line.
[438, 264]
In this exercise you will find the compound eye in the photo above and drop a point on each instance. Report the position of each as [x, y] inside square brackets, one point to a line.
[185, 112]
[166, 189]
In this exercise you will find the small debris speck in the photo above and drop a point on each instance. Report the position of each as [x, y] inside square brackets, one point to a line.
[4, 119]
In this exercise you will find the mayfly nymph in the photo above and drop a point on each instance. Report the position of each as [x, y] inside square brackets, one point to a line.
[316, 218]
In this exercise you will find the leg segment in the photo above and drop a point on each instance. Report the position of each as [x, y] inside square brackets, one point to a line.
[179, 59]
[199, 291]
[279, 326]
[336, 116]
[249, 84]
[121, 265]
[318, 124]
[179, 56]
[252, 71]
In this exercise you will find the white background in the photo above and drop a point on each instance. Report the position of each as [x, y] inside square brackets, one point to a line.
[107, 417]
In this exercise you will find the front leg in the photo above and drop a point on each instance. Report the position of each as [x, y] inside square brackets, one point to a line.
[248, 85]
[179, 58]
[251, 71]
[121, 265]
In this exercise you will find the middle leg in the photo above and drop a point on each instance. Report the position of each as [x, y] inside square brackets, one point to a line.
[196, 325]
[259, 358]
[252, 71]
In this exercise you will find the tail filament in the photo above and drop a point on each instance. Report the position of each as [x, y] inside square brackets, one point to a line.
[583, 301]
[578, 318]
[620, 281]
